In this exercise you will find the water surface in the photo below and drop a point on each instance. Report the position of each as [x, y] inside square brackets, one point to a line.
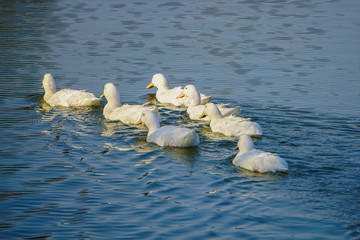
[293, 66]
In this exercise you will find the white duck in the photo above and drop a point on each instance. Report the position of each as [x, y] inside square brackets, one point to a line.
[195, 109]
[66, 97]
[230, 126]
[257, 160]
[166, 95]
[168, 135]
[114, 111]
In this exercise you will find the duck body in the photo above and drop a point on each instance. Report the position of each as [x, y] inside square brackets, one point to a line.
[67, 97]
[195, 110]
[114, 111]
[168, 135]
[235, 126]
[257, 160]
[174, 137]
[129, 114]
[169, 96]
[230, 126]
[166, 95]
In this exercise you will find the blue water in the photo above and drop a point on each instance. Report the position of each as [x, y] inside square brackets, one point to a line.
[293, 66]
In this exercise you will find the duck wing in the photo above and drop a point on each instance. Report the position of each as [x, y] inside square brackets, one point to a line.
[174, 136]
[74, 98]
[129, 114]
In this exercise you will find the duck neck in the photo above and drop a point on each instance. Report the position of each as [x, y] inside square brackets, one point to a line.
[246, 144]
[50, 89]
[111, 105]
[109, 108]
[48, 94]
[216, 115]
[163, 87]
[153, 125]
[195, 99]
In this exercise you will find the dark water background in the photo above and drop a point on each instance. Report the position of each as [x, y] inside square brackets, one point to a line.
[293, 66]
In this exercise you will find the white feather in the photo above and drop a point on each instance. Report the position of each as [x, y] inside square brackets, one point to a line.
[67, 97]
[195, 110]
[230, 126]
[168, 135]
[114, 111]
[257, 160]
[166, 95]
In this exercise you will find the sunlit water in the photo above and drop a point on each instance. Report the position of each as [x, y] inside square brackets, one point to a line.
[293, 66]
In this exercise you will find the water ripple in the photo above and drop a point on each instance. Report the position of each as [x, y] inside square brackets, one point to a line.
[69, 174]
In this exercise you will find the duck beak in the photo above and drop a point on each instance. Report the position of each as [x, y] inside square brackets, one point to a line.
[181, 95]
[42, 86]
[102, 95]
[139, 122]
[203, 115]
[236, 148]
[151, 85]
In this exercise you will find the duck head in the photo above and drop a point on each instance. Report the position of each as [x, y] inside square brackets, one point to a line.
[150, 120]
[111, 93]
[191, 92]
[158, 81]
[212, 111]
[244, 144]
[48, 83]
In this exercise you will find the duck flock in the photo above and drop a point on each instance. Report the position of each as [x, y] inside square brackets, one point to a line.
[222, 119]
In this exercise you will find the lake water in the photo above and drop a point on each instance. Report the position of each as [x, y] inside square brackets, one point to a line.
[293, 66]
